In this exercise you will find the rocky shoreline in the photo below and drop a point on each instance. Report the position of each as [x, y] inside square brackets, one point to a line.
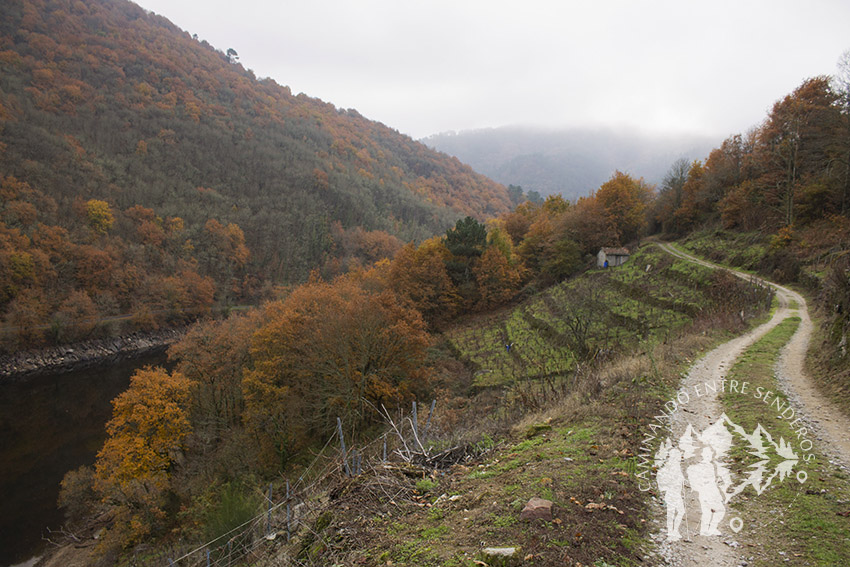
[59, 359]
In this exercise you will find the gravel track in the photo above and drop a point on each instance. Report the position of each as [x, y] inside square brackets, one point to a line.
[831, 426]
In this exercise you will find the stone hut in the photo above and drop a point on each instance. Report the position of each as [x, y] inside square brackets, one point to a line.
[610, 257]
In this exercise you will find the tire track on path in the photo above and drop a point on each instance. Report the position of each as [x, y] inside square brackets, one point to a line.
[701, 412]
[827, 419]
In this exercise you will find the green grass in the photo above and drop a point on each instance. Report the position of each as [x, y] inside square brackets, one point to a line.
[579, 448]
[425, 485]
[806, 521]
[645, 299]
[737, 249]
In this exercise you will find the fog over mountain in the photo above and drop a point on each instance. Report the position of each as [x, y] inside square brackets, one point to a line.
[572, 162]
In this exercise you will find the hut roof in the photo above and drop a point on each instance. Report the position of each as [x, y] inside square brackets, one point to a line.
[615, 251]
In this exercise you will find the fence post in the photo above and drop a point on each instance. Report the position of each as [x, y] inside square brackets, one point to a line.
[384, 460]
[428, 423]
[342, 443]
[208, 558]
[269, 513]
[415, 421]
[288, 533]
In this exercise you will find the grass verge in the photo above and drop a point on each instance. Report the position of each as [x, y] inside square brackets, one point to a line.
[578, 451]
[789, 522]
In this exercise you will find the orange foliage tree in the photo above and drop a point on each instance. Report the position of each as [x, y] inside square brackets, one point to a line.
[328, 351]
[145, 435]
[419, 275]
[498, 280]
[624, 200]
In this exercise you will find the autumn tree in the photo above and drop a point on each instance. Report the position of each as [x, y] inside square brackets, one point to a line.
[213, 355]
[94, 267]
[99, 216]
[497, 236]
[357, 248]
[743, 207]
[624, 200]
[144, 437]
[795, 144]
[549, 248]
[178, 297]
[225, 256]
[683, 217]
[25, 315]
[419, 276]
[587, 224]
[328, 351]
[518, 221]
[76, 317]
[497, 279]
[536, 245]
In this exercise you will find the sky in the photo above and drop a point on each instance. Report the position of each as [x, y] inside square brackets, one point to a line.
[429, 66]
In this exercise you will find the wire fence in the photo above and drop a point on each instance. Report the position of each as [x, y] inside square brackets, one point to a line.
[297, 505]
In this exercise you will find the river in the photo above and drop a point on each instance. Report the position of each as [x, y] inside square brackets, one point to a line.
[49, 425]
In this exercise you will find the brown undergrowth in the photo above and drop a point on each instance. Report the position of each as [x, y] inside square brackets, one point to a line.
[571, 442]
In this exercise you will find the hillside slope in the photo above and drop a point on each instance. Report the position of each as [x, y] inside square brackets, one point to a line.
[104, 100]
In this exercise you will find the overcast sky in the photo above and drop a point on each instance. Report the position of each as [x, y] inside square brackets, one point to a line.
[431, 66]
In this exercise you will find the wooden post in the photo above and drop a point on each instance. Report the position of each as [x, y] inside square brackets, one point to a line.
[384, 459]
[415, 421]
[269, 513]
[288, 533]
[428, 423]
[342, 443]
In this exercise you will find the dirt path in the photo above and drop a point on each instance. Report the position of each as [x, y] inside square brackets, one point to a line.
[700, 412]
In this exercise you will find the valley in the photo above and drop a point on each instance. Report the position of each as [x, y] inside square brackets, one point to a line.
[377, 354]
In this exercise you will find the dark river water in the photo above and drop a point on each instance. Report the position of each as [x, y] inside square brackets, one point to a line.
[48, 426]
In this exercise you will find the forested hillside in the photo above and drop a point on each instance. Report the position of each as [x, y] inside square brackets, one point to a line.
[184, 152]
[790, 172]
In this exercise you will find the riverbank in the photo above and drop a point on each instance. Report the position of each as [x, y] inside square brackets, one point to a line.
[67, 358]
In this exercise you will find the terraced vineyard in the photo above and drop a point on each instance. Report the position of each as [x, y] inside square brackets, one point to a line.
[598, 313]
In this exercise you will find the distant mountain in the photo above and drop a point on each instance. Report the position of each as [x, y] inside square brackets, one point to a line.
[572, 162]
[104, 100]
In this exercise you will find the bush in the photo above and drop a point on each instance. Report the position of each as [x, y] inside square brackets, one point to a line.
[76, 494]
[781, 265]
[235, 507]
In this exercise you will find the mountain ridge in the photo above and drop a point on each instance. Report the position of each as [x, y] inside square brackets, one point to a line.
[571, 162]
